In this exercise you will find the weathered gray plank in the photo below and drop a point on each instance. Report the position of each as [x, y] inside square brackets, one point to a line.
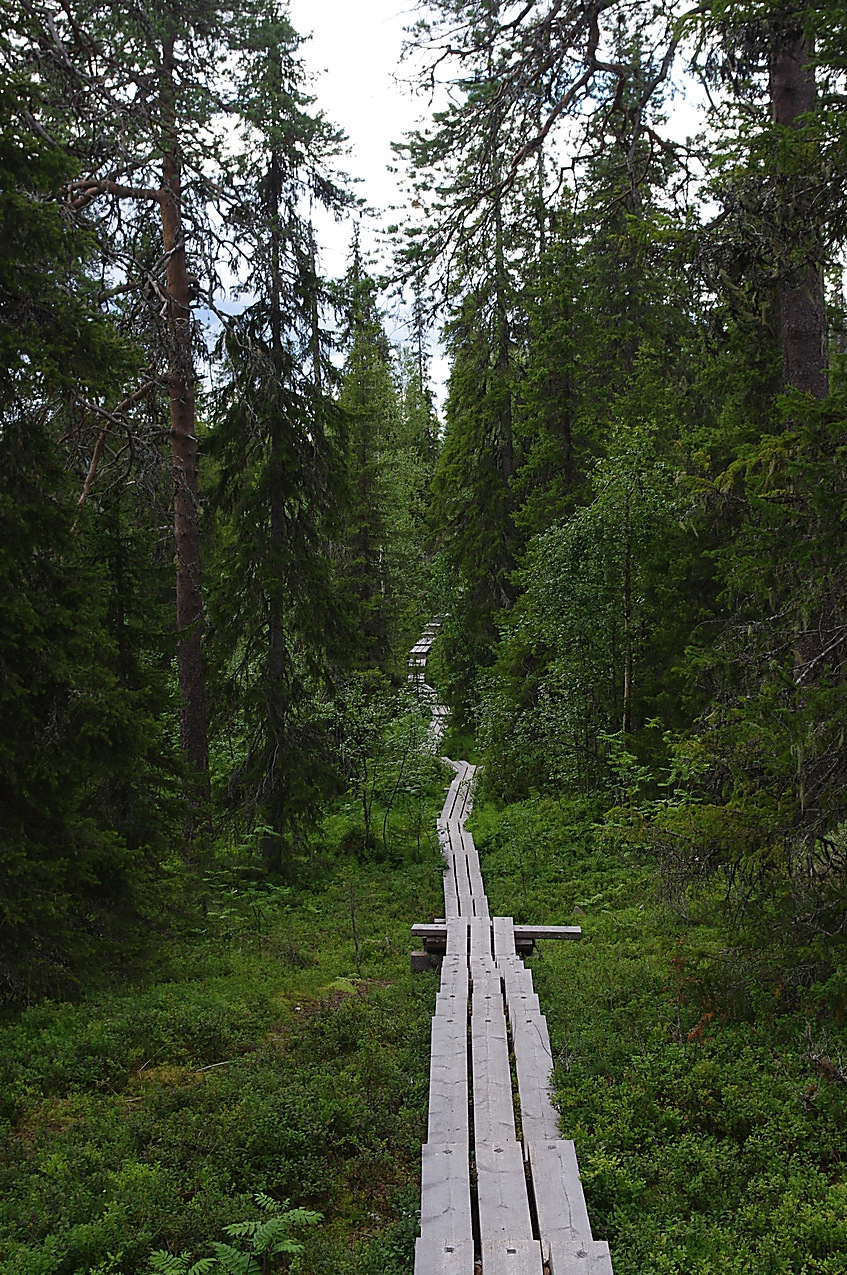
[464, 893]
[457, 937]
[580, 1259]
[434, 930]
[533, 1064]
[482, 960]
[511, 1257]
[548, 932]
[519, 1000]
[494, 1117]
[448, 1119]
[559, 1198]
[505, 1225]
[445, 1246]
[504, 938]
[518, 988]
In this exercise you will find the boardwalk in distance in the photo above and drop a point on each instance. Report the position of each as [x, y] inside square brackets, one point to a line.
[491, 1202]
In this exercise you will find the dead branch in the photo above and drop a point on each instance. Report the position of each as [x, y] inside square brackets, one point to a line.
[113, 417]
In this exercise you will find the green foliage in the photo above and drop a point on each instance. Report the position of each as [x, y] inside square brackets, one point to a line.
[585, 650]
[703, 1082]
[472, 504]
[263, 1061]
[86, 766]
[269, 1236]
[386, 761]
[279, 488]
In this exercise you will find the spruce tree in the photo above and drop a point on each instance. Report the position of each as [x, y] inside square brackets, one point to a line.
[138, 99]
[279, 633]
[85, 766]
[369, 400]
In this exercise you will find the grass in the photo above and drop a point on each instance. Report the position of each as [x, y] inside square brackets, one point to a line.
[284, 1050]
[278, 1053]
[708, 1104]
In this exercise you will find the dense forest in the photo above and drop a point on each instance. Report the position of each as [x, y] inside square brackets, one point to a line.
[227, 505]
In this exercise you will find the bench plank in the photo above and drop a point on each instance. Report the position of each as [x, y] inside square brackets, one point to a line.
[525, 933]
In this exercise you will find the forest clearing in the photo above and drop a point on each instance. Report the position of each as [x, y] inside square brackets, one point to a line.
[231, 502]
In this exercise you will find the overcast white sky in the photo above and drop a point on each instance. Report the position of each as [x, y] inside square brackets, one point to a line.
[355, 53]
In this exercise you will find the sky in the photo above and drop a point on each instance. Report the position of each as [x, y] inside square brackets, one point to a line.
[354, 52]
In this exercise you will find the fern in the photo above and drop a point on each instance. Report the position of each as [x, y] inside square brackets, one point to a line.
[268, 1203]
[267, 1236]
[164, 1263]
[241, 1230]
[271, 1235]
[234, 1262]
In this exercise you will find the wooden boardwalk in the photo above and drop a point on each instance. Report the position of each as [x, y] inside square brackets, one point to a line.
[492, 1203]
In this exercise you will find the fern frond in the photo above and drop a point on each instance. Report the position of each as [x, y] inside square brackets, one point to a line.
[234, 1262]
[268, 1203]
[161, 1262]
[240, 1230]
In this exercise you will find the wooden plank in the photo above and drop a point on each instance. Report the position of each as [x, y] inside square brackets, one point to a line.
[481, 907]
[494, 1117]
[533, 1063]
[443, 1256]
[445, 1246]
[559, 1198]
[463, 885]
[482, 960]
[519, 1000]
[448, 1120]
[451, 899]
[504, 938]
[433, 929]
[511, 1257]
[505, 1224]
[457, 938]
[503, 1203]
[474, 871]
[580, 1259]
[548, 932]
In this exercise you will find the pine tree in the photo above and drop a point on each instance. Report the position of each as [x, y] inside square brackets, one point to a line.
[137, 98]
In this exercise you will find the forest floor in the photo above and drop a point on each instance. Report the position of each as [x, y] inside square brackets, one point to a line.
[278, 1051]
[707, 1096]
[274, 1052]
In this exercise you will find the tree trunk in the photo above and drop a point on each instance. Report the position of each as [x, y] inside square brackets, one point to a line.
[802, 310]
[627, 621]
[189, 597]
[505, 440]
[276, 666]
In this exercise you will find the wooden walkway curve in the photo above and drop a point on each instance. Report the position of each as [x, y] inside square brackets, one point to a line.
[500, 1189]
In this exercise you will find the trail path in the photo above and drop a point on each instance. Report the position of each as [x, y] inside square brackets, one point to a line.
[500, 1189]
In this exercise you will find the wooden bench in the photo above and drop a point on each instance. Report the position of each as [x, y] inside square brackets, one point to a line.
[434, 935]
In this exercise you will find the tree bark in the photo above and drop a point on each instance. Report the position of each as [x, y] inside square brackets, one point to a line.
[276, 658]
[802, 309]
[189, 596]
[627, 621]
